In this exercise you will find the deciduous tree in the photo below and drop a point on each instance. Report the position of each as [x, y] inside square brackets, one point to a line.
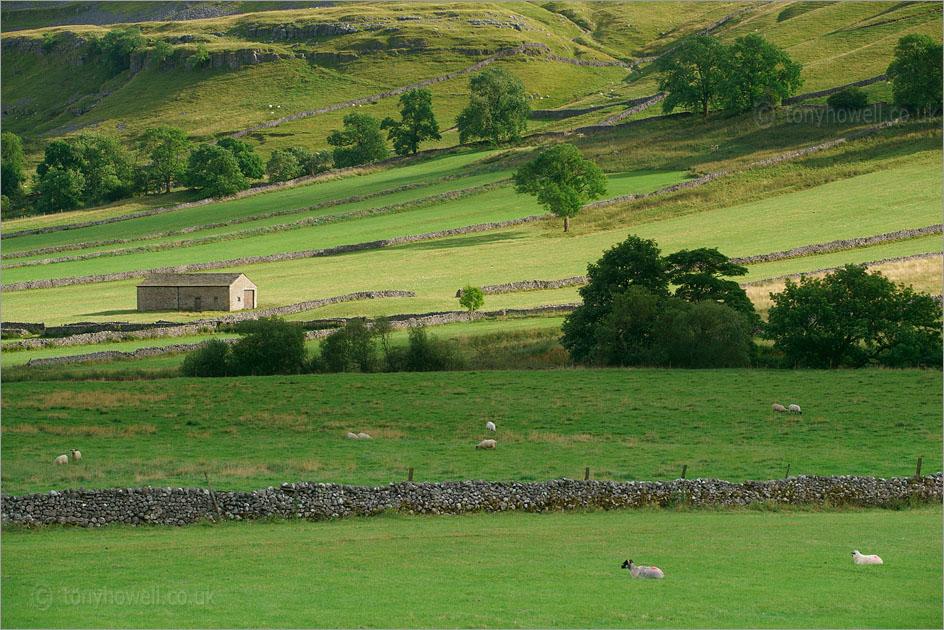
[497, 109]
[417, 122]
[916, 73]
[693, 75]
[360, 142]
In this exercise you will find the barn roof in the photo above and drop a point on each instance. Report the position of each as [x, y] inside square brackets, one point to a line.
[192, 280]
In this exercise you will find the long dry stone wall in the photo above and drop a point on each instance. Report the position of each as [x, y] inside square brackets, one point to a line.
[871, 263]
[811, 95]
[172, 329]
[322, 501]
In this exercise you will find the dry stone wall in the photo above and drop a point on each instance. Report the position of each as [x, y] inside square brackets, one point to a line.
[811, 95]
[322, 501]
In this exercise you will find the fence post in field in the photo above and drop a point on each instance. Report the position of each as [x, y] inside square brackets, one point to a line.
[586, 474]
[219, 514]
[411, 475]
[918, 471]
[788, 471]
[684, 470]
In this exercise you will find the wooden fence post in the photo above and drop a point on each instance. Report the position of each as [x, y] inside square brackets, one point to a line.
[684, 470]
[918, 471]
[788, 471]
[586, 474]
[219, 514]
[411, 475]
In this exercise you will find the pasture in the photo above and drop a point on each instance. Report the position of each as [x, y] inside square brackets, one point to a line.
[640, 424]
[723, 569]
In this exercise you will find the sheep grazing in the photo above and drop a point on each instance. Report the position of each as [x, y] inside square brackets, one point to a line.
[643, 572]
[778, 408]
[490, 426]
[858, 558]
[76, 455]
[484, 444]
[795, 409]
[351, 436]
[363, 436]
[62, 459]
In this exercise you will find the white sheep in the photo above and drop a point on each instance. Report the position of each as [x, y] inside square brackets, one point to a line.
[490, 426]
[351, 436]
[778, 408]
[76, 455]
[858, 558]
[62, 459]
[363, 436]
[643, 572]
[795, 409]
[486, 444]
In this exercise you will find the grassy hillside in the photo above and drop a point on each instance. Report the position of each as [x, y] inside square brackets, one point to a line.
[636, 424]
[836, 42]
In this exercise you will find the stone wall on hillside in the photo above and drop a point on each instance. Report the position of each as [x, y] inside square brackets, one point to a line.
[320, 501]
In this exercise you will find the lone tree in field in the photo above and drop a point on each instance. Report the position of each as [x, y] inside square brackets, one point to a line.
[693, 76]
[417, 122]
[916, 73]
[562, 179]
[497, 109]
[360, 142]
[472, 298]
[167, 147]
[853, 318]
[756, 71]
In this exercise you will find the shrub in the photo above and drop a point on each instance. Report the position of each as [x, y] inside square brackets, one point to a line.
[849, 100]
[429, 354]
[210, 359]
[352, 348]
[269, 345]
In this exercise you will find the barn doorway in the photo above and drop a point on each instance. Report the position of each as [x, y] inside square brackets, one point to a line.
[249, 298]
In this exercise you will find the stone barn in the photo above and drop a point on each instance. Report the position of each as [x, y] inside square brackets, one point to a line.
[197, 292]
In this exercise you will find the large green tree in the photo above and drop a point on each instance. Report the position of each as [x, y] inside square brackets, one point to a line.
[105, 168]
[214, 170]
[562, 179]
[360, 142]
[60, 190]
[167, 149]
[627, 309]
[497, 109]
[119, 44]
[693, 75]
[853, 318]
[756, 71]
[250, 164]
[417, 122]
[916, 73]
[268, 345]
[12, 162]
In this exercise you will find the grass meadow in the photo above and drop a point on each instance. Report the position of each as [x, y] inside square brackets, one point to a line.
[641, 424]
[731, 569]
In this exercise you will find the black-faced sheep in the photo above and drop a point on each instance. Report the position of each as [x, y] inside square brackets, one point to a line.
[642, 572]
[858, 558]
[76, 455]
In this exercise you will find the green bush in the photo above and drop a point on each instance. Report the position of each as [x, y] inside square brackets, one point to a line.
[849, 100]
[210, 359]
[352, 348]
[429, 354]
[269, 345]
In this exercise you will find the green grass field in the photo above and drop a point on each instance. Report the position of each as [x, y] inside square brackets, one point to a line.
[623, 424]
[723, 570]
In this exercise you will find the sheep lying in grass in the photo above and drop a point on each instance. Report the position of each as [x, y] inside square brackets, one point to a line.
[486, 444]
[490, 426]
[643, 572]
[62, 459]
[363, 436]
[778, 408]
[351, 436]
[858, 558]
[795, 409]
[76, 455]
